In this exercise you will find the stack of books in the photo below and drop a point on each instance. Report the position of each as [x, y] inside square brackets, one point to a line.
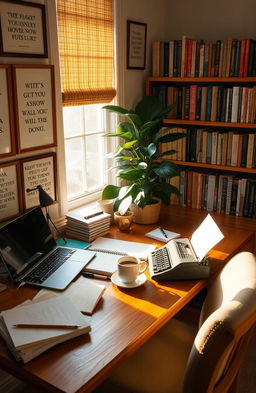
[88, 225]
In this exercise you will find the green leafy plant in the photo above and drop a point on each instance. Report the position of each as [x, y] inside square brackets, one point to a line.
[138, 160]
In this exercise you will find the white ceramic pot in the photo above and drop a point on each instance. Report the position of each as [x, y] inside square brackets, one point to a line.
[149, 214]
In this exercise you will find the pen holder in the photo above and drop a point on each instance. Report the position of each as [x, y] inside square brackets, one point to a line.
[124, 222]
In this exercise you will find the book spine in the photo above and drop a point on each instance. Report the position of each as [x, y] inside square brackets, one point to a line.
[237, 58]
[198, 102]
[171, 58]
[192, 102]
[242, 57]
[208, 103]
[166, 59]
[217, 58]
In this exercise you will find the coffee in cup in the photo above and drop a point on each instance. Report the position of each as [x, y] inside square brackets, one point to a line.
[129, 268]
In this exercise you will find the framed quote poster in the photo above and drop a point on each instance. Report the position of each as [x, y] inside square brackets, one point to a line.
[34, 98]
[7, 139]
[40, 170]
[136, 45]
[10, 190]
[22, 29]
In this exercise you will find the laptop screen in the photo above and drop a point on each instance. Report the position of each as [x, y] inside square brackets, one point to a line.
[25, 240]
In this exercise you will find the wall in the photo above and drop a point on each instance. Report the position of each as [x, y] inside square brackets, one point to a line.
[211, 20]
[131, 83]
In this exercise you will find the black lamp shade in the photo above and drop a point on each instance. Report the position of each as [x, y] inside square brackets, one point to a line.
[44, 198]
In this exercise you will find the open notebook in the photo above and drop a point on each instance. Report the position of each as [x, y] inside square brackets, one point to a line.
[109, 250]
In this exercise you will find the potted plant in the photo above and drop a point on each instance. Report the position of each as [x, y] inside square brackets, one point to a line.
[139, 162]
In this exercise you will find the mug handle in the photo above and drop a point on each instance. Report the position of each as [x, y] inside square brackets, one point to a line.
[144, 268]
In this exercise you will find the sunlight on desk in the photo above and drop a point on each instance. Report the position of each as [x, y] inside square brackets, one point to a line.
[220, 255]
[145, 303]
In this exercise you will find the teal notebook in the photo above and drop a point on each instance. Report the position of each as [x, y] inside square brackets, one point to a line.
[72, 243]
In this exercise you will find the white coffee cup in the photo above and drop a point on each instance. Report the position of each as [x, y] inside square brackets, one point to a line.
[129, 268]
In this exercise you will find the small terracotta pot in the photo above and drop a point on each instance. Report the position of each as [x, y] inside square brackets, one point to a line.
[124, 222]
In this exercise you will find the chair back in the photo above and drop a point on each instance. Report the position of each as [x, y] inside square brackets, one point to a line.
[227, 320]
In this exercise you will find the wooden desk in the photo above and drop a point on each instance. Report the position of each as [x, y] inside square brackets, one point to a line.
[123, 320]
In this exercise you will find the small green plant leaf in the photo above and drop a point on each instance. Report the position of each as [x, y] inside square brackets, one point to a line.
[125, 204]
[110, 192]
[136, 121]
[150, 128]
[129, 145]
[149, 108]
[171, 137]
[167, 169]
[133, 174]
[116, 109]
[165, 153]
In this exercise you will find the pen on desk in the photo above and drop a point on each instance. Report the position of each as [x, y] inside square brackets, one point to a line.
[93, 215]
[44, 325]
[163, 232]
[95, 275]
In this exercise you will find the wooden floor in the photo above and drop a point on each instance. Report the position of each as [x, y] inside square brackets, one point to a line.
[248, 377]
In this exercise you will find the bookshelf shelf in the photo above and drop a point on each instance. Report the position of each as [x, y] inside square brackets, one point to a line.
[215, 167]
[209, 123]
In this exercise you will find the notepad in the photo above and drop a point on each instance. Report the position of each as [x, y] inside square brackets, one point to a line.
[27, 343]
[108, 251]
[157, 234]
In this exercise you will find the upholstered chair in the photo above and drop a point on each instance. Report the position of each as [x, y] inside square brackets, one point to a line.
[181, 358]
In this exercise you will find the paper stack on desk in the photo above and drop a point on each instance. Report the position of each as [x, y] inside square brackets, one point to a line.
[87, 225]
[28, 342]
[85, 295]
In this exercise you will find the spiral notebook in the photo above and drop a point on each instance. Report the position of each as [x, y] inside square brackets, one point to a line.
[109, 250]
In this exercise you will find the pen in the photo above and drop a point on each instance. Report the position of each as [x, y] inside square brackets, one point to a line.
[92, 275]
[44, 325]
[93, 215]
[163, 232]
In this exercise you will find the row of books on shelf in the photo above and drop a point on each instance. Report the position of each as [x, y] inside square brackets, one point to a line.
[225, 148]
[190, 58]
[224, 193]
[236, 104]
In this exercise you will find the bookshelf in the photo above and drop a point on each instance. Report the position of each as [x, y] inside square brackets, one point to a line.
[235, 172]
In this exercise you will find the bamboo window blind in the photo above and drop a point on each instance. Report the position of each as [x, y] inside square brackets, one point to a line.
[85, 30]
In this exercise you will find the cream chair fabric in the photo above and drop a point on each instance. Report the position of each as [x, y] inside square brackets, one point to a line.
[177, 360]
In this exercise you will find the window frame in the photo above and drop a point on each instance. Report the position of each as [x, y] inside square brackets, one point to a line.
[110, 145]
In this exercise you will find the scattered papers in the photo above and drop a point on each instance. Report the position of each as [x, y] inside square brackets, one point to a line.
[27, 343]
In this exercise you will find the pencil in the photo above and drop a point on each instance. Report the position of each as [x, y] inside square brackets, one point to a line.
[163, 232]
[46, 326]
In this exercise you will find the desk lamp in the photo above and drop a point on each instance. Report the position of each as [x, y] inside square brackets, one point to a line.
[45, 201]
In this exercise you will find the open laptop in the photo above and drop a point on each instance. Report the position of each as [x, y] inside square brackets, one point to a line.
[31, 256]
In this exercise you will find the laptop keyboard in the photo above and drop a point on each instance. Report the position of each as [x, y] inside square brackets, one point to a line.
[161, 260]
[49, 265]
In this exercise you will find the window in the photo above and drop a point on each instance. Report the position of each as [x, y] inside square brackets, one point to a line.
[85, 30]
[85, 149]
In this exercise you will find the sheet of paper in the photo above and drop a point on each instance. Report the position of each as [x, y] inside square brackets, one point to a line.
[84, 295]
[205, 237]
